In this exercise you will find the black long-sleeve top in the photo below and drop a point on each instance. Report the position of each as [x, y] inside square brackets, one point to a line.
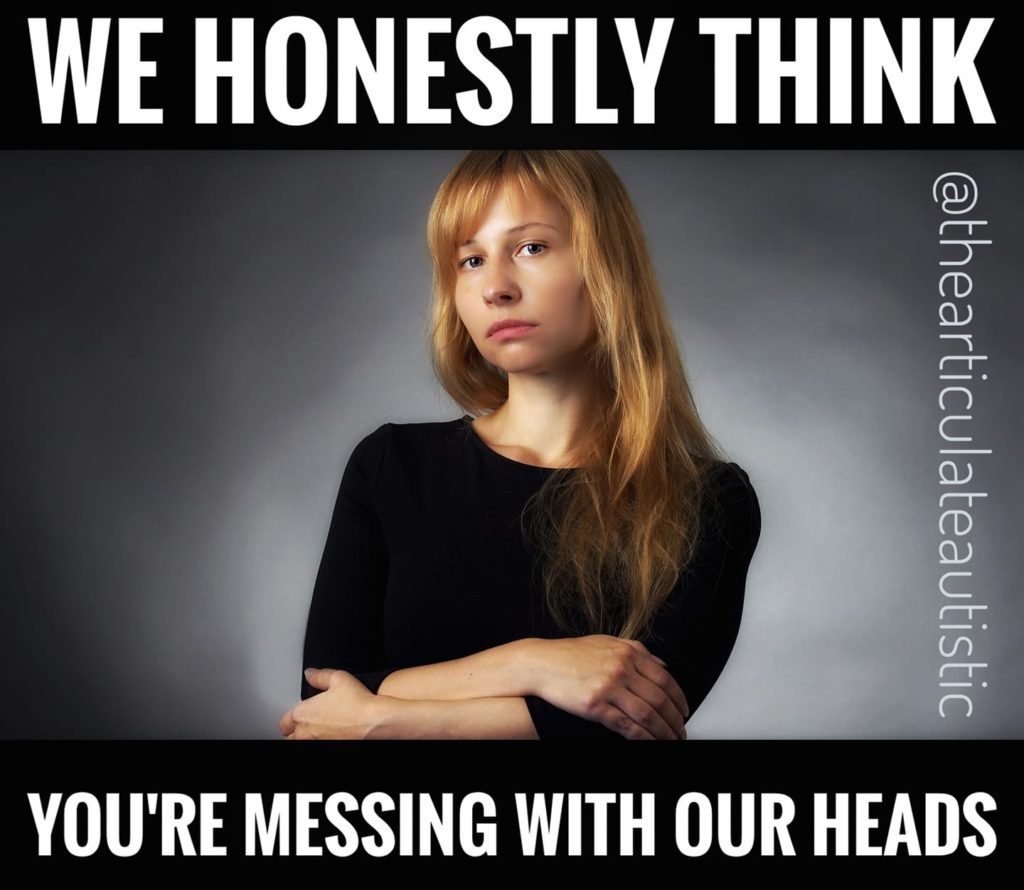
[425, 562]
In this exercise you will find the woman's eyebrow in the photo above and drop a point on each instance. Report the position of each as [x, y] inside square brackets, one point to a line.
[515, 229]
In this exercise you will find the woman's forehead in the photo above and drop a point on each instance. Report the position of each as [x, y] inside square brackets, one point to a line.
[506, 194]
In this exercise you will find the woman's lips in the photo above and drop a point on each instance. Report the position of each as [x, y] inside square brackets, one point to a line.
[510, 332]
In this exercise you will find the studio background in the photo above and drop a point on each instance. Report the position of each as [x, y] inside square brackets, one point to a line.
[193, 342]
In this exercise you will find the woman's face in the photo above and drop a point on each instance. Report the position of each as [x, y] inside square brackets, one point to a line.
[519, 265]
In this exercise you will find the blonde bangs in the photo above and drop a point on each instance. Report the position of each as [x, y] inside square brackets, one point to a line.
[464, 196]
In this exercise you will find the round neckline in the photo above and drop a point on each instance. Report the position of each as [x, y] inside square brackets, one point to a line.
[473, 434]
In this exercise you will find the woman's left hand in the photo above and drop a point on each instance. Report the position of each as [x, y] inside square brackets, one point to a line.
[344, 710]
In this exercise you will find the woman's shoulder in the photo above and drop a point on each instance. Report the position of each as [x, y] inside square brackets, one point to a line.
[401, 452]
[729, 479]
[734, 508]
[419, 437]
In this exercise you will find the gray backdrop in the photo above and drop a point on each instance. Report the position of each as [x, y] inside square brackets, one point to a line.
[193, 343]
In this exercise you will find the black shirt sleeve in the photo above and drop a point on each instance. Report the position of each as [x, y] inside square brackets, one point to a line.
[345, 628]
[697, 626]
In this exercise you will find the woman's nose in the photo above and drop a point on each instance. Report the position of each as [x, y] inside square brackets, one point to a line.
[500, 282]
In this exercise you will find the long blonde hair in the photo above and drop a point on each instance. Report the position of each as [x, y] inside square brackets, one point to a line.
[613, 535]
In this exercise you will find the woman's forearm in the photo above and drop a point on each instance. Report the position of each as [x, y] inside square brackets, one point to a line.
[506, 670]
[471, 718]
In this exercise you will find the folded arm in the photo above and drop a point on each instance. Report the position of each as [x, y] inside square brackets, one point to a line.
[595, 686]
[344, 708]
[695, 633]
[506, 670]
[585, 687]
[471, 718]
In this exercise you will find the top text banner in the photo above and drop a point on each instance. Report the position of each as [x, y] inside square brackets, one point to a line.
[637, 77]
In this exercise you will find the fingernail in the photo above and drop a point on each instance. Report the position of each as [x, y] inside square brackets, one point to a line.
[307, 672]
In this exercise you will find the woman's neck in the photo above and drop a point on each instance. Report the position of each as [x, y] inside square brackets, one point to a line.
[539, 421]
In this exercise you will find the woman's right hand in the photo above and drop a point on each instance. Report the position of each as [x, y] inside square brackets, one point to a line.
[613, 681]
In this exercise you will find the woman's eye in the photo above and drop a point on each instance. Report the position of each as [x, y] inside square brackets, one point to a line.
[469, 262]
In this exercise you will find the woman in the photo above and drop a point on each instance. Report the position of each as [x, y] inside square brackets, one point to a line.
[569, 560]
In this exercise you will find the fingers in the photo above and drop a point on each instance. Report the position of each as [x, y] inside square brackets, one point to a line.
[666, 682]
[648, 716]
[318, 678]
[619, 721]
[657, 699]
[661, 677]
[287, 724]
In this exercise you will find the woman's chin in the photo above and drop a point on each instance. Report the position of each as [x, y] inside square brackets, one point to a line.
[524, 367]
[565, 365]
[517, 364]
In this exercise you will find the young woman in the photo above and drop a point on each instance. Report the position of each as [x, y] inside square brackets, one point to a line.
[568, 559]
